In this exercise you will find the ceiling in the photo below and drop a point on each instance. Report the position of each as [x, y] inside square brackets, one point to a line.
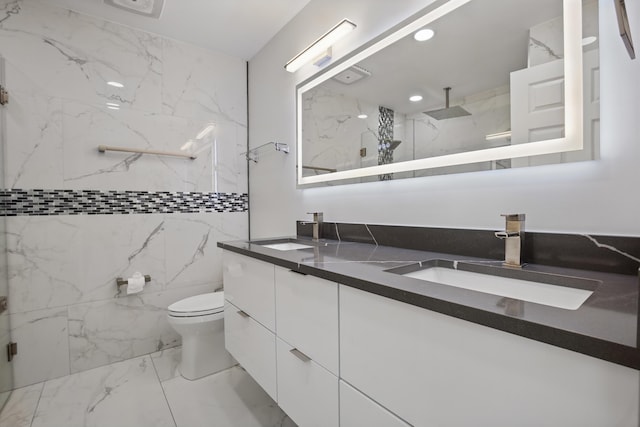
[236, 27]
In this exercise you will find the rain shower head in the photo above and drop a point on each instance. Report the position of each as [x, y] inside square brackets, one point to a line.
[150, 8]
[448, 112]
[394, 144]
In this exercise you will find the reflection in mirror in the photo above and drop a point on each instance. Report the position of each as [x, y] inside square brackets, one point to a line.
[491, 75]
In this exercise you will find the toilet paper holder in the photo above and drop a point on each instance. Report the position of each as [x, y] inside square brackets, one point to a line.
[120, 281]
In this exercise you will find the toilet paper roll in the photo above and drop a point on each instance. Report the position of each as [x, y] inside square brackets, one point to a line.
[135, 283]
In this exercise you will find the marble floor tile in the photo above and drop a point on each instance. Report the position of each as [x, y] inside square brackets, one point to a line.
[126, 394]
[19, 410]
[230, 398]
[21, 406]
[166, 363]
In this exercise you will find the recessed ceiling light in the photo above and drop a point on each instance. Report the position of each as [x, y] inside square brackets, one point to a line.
[424, 34]
[115, 84]
[112, 104]
[111, 107]
[415, 98]
[588, 40]
[362, 116]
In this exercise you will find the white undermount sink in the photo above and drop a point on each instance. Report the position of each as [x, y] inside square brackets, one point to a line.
[541, 293]
[287, 246]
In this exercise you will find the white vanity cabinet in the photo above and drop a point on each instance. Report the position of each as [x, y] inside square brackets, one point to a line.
[339, 356]
[307, 356]
[307, 392]
[357, 410]
[282, 327]
[307, 316]
[249, 284]
[249, 317]
[435, 370]
[252, 345]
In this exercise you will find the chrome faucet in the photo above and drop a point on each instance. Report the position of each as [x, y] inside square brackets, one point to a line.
[317, 224]
[513, 240]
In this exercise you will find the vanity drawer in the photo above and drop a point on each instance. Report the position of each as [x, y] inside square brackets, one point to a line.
[357, 410]
[307, 392]
[307, 316]
[249, 285]
[252, 345]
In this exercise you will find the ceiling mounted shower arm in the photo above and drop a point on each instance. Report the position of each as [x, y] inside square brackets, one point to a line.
[252, 154]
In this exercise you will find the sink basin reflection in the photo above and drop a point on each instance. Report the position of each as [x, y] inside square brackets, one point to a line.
[287, 246]
[542, 288]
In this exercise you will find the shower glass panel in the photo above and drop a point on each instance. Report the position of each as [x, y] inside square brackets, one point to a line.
[6, 373]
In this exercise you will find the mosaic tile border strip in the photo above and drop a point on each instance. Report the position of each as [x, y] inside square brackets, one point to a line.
[96, 202]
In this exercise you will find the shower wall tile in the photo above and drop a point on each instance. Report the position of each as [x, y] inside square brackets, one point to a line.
[81, 54]
[211, 89]
[34, 129]
[229, 161]
[192, 256]
[87, 126]
[44, 262]
[172, 92]
[42, 339]
[57, 261]
[137, 325]
[62, 260]
[118, 246]
[203, 84]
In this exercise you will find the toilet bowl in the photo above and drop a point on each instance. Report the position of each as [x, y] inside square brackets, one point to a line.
[200, 322]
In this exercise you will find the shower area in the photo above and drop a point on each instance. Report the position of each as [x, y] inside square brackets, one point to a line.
[75, 219]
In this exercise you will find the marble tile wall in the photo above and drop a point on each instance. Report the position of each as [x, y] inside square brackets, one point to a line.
[335, 133]
[66, 312]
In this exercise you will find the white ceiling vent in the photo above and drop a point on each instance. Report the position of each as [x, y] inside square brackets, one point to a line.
[351, 75]
[150, 8]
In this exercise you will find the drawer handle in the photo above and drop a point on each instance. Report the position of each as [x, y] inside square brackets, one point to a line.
[243, 314]
[300, 355]
[298, 272]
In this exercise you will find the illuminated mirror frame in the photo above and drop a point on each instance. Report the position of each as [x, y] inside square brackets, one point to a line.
[572, 141]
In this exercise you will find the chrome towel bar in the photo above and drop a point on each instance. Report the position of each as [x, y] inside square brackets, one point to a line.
[105, 148]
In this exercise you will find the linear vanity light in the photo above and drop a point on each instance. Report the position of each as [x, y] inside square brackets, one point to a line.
[320, 46]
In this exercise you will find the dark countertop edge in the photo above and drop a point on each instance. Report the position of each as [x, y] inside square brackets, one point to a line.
[590, 346]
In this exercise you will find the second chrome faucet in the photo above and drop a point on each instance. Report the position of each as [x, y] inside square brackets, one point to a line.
[317, 224]
[513, 237]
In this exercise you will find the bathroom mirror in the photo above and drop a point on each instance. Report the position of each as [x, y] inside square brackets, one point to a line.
[524, 90]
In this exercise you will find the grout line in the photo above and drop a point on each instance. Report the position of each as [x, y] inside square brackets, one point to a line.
[35, 410]
[155, 369]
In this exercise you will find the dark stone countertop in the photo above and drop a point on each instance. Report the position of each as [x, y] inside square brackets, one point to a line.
[605, 326]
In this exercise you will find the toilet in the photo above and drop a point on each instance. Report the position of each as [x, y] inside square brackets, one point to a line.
[200, 322]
